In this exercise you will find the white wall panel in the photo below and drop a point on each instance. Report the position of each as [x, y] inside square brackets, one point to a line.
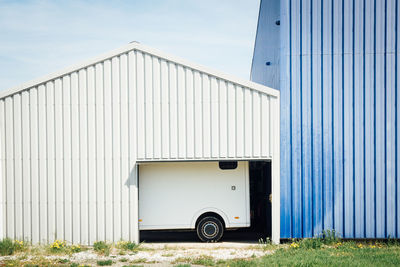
[70, 143]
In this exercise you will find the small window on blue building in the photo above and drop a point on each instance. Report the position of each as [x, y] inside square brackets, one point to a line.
[228, 165]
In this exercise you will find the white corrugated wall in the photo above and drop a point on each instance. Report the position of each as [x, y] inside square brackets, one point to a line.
[69, 145]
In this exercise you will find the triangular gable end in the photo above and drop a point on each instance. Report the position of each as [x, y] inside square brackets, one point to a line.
[135, 46]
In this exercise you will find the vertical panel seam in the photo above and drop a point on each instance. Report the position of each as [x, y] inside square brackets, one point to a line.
[353, 122]
[312, 118]
[63, 149]
[343, 128]
[38, 165]
[79, 155]
[95, 150]
[385, 116]
[364, 131]
[396, 112]
[22, 168]
[375, 228]
[291, 117]
[322, 116]
[112, 143]
[13, 162]
[176, 66]
[54, 155]
[47, 165]
[104, 151]
[152, 113]
[333, 115]
[301, 119]
[120, 137]
[129, 143]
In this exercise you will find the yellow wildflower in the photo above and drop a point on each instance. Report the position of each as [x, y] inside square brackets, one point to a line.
[294, 245]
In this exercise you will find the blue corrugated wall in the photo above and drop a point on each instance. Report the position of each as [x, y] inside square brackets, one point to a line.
[339, 82]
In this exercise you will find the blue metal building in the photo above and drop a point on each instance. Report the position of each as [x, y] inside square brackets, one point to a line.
[336, 63]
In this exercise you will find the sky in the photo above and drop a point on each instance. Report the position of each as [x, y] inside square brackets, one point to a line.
[41, 37]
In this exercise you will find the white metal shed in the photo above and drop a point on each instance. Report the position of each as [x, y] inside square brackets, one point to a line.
[71, 141]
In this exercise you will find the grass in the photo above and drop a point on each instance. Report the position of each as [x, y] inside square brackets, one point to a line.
[63, 260]
[168, 255]
[104, 262]
[325, 250]
[126, 245]
[314, 252]
[204, 260]
[7, 247]
[102, 247]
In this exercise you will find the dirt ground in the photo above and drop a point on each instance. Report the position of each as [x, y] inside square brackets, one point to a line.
[153, 254]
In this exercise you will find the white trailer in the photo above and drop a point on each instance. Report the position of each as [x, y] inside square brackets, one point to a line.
[207, 196]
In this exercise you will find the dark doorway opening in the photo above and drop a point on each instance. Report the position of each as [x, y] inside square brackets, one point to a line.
[260, 213]
[260, 206]
[260, 198]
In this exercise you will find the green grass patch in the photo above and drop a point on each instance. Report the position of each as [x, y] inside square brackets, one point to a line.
[7, 247]
[313, 253]
[183, 265]
[204, 260]
[102, 247]
[63, 260]
[104, 262]
[74, 264]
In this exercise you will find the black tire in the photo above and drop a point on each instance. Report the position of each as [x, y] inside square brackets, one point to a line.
[210, 229]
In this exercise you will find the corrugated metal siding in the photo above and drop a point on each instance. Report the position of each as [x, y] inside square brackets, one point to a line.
[339, 118]
[70, 145]
[265, 67]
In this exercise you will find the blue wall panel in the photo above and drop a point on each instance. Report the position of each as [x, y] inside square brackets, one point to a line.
[339, 81]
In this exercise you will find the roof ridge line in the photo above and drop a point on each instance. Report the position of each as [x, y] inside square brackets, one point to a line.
[130, 47]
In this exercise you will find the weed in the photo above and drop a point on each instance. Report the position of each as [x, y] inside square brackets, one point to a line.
[167, 255]
[183, 265]
[266, 244]
[204, 260]
[104, 262]
[123, 260]
[75, 248]
[77, 265]
[58, 246]
[393, 241]
[20, 245]
[102, 247]
[139, 260]
[7, 247]
[127, 245]
[221, 262]
[63, 260]
[133, 265]
[329, 237]
[310, 243]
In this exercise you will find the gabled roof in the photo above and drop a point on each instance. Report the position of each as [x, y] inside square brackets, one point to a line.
[137, 46]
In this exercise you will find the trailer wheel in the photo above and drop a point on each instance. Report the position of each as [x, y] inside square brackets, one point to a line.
[210, 229]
